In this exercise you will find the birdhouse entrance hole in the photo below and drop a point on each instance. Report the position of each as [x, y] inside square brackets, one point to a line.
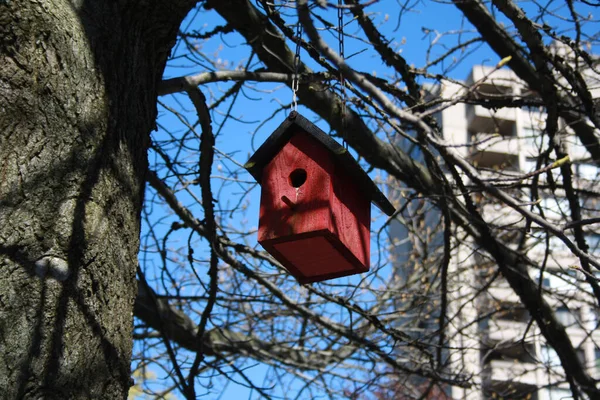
[298, 177]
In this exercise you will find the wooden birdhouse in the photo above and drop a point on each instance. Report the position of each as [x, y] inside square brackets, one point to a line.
[315, 206]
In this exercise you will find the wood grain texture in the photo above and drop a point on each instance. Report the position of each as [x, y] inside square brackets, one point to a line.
[351, 211]
[312, 211]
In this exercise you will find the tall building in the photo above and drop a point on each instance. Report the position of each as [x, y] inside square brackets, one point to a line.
[490, 334]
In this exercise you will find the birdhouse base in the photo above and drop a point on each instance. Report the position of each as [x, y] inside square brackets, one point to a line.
[314, 256]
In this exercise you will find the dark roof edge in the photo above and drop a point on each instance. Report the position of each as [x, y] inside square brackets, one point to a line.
[280, 137]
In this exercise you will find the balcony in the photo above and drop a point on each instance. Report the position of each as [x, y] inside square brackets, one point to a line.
[481, 119]
[496, 161]
[559, 253]
[494, 151]
[512, 391]
[510, 371]
[495, 143]
[507, 331]
[501, 215]
[504, 293]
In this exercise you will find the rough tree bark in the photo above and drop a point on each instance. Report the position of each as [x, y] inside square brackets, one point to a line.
[77, 101]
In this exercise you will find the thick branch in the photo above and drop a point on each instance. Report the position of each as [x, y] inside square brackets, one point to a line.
[182, 83]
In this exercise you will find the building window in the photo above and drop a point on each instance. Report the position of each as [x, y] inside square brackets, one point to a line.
[565, 316]
[559, 394]
[555, 208]
[587, 171]
[510, 312]
[556, 243]
[559, 280]
[593, 241]
[530, 165]
[492, 90]
[581, 356]
[589, 203]
[549, 357]
[512, 392]
[535, 139]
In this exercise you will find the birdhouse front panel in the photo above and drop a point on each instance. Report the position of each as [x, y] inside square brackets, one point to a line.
[295, 192]
[313, 218]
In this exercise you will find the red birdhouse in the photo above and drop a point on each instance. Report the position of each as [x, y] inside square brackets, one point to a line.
[315, 206]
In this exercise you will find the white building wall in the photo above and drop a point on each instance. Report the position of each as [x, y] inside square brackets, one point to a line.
[512, 148]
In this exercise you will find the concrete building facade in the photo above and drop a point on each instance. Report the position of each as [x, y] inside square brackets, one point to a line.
[490, 334]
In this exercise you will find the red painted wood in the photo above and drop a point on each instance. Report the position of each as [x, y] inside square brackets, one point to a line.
[312, 199]
[314, 256]
[320, 229]
[351, 217]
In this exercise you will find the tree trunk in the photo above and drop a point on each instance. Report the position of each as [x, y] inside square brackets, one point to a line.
[77, 101]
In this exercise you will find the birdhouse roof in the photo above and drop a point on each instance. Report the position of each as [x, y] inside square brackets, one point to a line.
[283, 134]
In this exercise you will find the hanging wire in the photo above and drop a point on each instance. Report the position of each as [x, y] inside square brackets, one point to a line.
[342, 80]
[296, 75]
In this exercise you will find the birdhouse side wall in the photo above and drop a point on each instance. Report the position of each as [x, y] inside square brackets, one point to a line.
[351, 216]
[290, 206]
